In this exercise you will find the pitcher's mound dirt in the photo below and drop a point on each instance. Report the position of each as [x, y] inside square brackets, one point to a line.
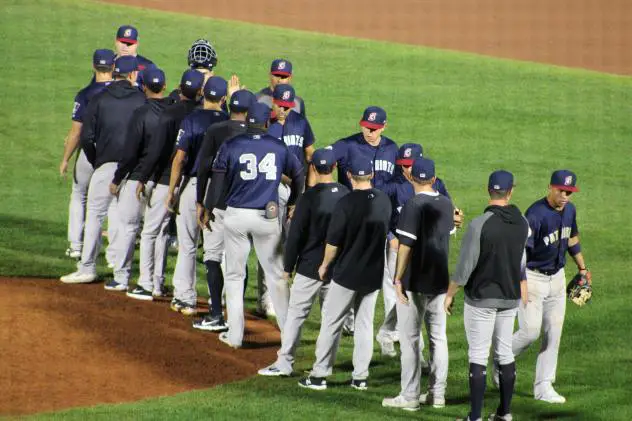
[78, 345]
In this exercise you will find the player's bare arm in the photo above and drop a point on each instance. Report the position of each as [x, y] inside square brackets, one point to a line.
[174, 179]
[330, 255]
[403, 259]
[578, 257]
[449, 297]
[71, 143]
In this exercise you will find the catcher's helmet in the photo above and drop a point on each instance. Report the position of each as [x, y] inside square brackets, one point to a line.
[202, 54]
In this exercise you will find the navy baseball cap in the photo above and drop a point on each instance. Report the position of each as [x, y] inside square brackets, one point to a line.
[281, 67]
[258, 113]
[127, 34]
[153, 76]
[284, 95]
[215, 88]
[103, 57]
[323, 158]
[564, 180]
[241, 100]
[125, 64]
[423, 169]
[500, 180]
[373, 118]
[360, 165]
[191, 83]
[408, 152]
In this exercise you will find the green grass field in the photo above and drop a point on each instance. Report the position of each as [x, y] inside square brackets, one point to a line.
[472, 114]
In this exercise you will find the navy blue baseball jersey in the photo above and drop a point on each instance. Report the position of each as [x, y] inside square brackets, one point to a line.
[253, 164]
[84, 96]
[550, 232]
[296, 133]
[191, 135]
[382, 155]
[399, 190]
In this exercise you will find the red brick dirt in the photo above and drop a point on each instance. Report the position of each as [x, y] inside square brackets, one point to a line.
[66, 346]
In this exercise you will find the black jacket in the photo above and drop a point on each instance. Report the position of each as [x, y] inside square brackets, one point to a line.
[106, 122]
[492, 260]
[140, 139]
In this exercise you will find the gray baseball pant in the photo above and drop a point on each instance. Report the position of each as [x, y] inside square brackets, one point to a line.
[78, 198]
[154, 238]
[130, 211]
[111, 251]
[98, 206]
[239, 225]
[185, 274]
[428, 309]
[302, 296]
[544, 312]
[482, 325]
[262, 287]
[214, 242]
[389, 326]
[337, 304]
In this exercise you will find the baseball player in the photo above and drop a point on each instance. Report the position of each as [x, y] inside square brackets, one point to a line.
[491, 267]
[103, 135]
[553, 223]
[355, 238]
[213, 237]
[103, 64]
[184, 174]
[304, 250]
[400, 190]
[280, 73]
[126, 44]
[125, 180]
[295, 130]
[372, 145]
[250, 167]
[201, 57]
[421, 281]
[153, 183]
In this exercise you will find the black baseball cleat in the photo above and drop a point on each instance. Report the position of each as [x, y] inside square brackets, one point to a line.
[359, 384]
[140, 293]
[314, 383]
[211, 323]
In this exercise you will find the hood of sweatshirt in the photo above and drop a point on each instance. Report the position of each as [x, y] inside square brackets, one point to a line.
[122, 88]
[509, 214]
[159, 104]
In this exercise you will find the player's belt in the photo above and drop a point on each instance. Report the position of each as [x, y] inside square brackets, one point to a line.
[549, 272]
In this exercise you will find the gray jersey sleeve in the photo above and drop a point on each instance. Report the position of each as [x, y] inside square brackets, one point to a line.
[470, 250]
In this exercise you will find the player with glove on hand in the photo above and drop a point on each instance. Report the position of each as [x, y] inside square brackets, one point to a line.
[553, 233]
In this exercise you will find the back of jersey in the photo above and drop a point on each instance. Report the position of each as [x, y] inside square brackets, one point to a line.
[253, 164]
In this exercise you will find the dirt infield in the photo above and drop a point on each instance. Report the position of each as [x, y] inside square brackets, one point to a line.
[65, 346]
[592, 34]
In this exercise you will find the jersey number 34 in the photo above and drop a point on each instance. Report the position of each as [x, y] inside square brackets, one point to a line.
[266, 166]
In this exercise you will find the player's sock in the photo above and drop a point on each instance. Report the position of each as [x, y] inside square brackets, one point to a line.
[507, 377]
[477, 390]
[215, 281]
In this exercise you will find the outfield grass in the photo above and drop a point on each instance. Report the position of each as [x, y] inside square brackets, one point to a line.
[472, 114]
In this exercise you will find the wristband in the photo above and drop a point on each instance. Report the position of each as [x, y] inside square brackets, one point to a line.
[573, 250]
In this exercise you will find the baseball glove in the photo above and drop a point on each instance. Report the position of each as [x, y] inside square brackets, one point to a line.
[579, 290]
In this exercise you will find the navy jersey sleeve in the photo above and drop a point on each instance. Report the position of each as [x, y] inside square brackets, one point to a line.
[220, 164]
[183, 140]
[308, 138]
[574, 229]
[293, 167]
[78, 107]
[303, 110]
[205, 167]
[534, 231]
[336, 230]
[439, 186]
[87, 136]
[298, 233]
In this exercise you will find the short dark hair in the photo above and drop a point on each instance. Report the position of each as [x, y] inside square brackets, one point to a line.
[499, 194]
[360, 178]
[120, 75]
[154, 87]
[324, 170]
[422, 182]
[103, 69]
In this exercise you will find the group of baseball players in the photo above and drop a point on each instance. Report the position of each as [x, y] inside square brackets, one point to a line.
[241, 170]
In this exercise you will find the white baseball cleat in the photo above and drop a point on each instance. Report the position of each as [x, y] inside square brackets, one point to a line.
[429, 399]
[401, 403]
[551, 396]
[494, 417]
[386, 343]
[78, 278]
[223, 337]
[272, 371]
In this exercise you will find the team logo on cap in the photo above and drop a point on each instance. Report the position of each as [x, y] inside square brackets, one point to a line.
[188, 83]
[360, 172]
[213, 93]
[281, 65]
[422, 175]
[101, 61]
[117, 70]
[286, 95]
[155, 80]
[496, 187]
[372, 117]
[568, 180]
[236, 102]
[407, 153]
[323, 162]
[127, 33]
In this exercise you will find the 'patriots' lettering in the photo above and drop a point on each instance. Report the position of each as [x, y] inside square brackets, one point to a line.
[293, 140]
[554, 237]
[382, 165]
